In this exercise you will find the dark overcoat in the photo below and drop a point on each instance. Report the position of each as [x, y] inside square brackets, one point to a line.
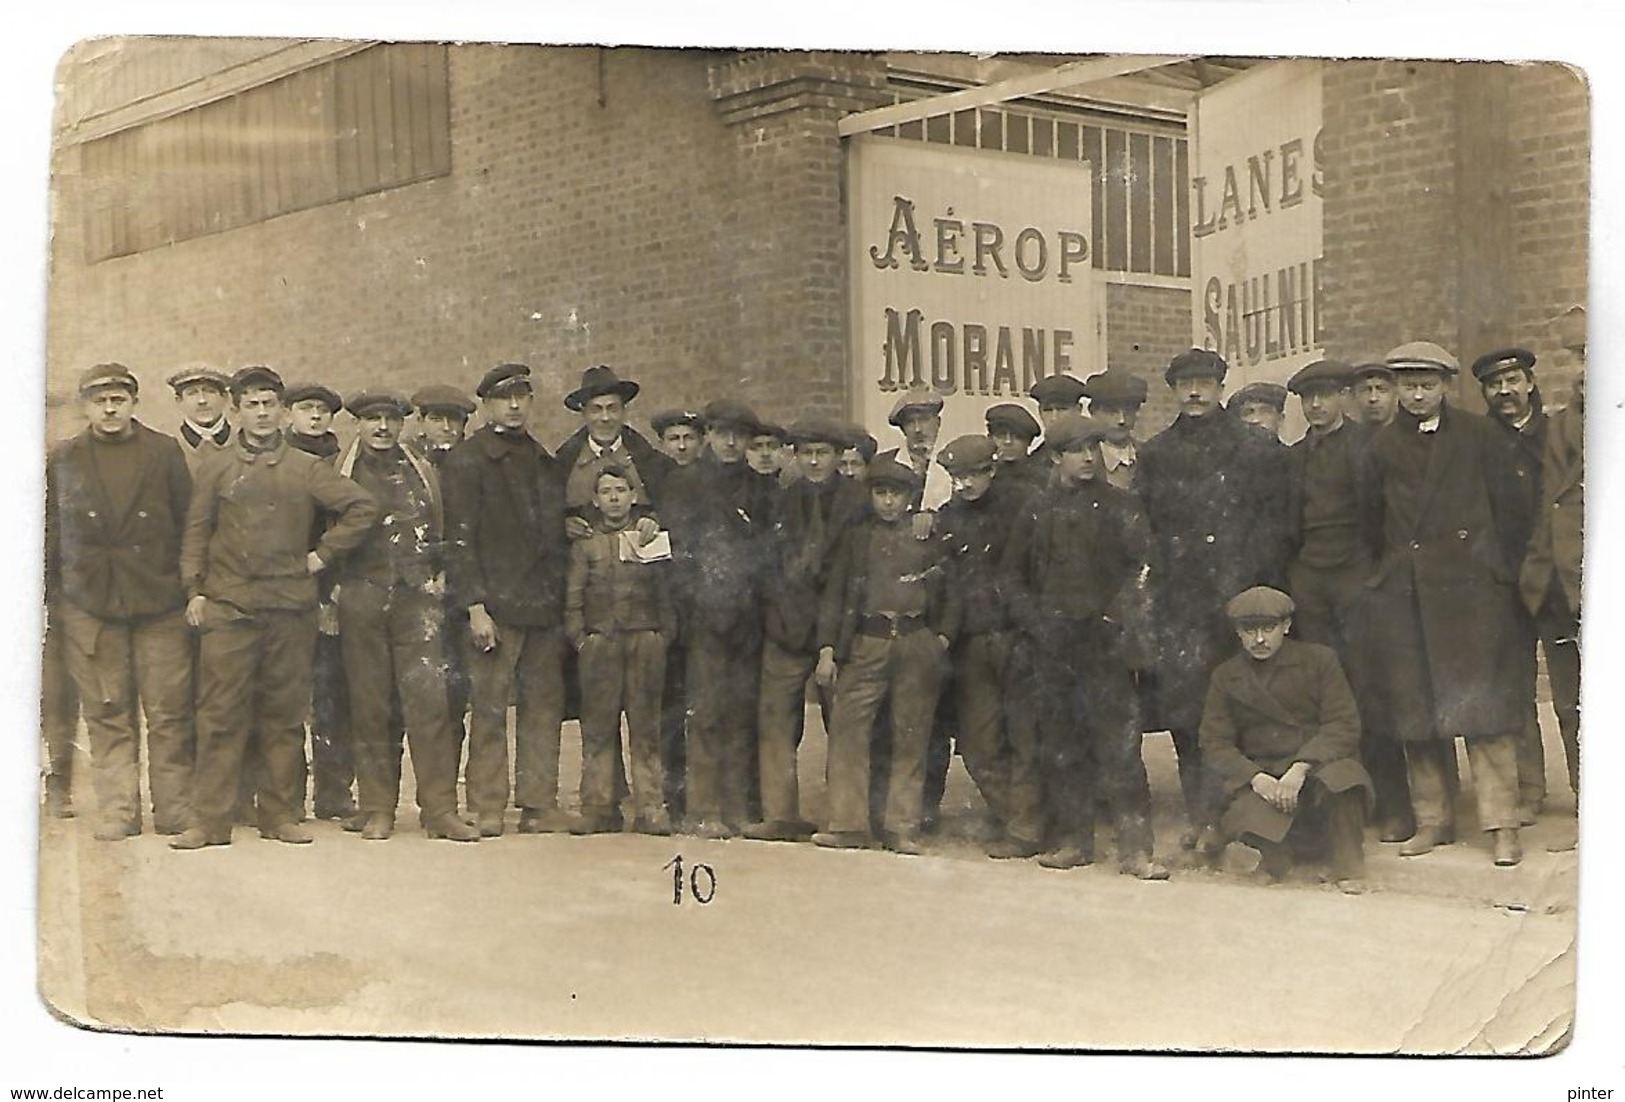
[719, 515]
[117, 565]
[1443, 604]
[1553, 556]
[505, 547]
[1262, 717]
[1215, 493]
[653, 465]
[799, 553]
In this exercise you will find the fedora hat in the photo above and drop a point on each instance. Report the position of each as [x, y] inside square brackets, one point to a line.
[596, 381]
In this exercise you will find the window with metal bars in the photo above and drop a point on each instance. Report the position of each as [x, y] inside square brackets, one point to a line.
[1141, 206]
[363, 123]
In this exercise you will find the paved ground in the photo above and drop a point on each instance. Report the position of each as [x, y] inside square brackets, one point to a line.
[553, 936]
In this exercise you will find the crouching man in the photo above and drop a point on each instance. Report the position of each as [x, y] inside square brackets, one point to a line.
[1281, 734]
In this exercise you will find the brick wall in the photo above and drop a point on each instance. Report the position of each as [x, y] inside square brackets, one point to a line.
[1146, 327]
[1549, 187]
[1390, 260]
[599, 209]
[1393, 243]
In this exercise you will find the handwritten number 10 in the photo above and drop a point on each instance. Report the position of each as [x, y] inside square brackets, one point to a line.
[702, 887]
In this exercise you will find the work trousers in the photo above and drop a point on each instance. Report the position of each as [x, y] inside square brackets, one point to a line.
[723, 679]
[1494, 762]
[781, 720]
[118, 667]
[332, 739]
[1000, 754]
[254, 671]
[1331, 822]
[907, 671]
[455, 628]
[1089, 736]
[527, 666]
[674, 728]
[1323, 597]
[1559, 631]
[622, 671]
[59, 709]
[1531, 754]
[394, 651]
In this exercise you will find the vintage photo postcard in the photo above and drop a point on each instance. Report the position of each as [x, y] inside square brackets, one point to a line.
[813, 547]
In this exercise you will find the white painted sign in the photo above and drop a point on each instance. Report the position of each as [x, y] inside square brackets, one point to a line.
[970, 274]
[1256, 221]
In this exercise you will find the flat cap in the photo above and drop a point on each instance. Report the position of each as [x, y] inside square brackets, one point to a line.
[770, 428]
[1012, 418]
[186, 376]
[1057, 392]
[1073, 430]
[106, 375]
[1370, 367]
[1270, 394]
[440, 398]
[313, 392]
[1493, 363]
[597, 381]
[819, 430]
[917, 398]
[503, 377]
[378, 401]
[730, 411]
[1196, 363]
[966, 454]
[860, 438]
[257, 375]
[1321, 374]
[1114, 388]
[1259, 604]
[883, 470]
[1421, 356]
[668, 418]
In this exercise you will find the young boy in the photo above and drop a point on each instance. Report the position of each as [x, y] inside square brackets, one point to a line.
[618, 614]
[1281, 734]
[1076, 570]
[884, 624]
[765, 452]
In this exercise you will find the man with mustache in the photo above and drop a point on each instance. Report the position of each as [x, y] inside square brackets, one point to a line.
[1549, 580]
[393, 629]
[1506, 378]
[1214, 492]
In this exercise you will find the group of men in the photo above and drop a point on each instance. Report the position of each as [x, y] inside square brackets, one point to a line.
[1314, 624]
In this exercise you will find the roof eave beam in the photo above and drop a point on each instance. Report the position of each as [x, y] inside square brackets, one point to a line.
[1070, 75]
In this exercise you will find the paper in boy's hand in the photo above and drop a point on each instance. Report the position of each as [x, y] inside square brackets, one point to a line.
[656, 550]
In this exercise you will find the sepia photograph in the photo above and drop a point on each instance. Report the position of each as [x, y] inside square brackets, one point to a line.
[1021, 551]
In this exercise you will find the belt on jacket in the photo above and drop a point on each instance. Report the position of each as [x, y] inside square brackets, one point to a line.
[883, 625]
